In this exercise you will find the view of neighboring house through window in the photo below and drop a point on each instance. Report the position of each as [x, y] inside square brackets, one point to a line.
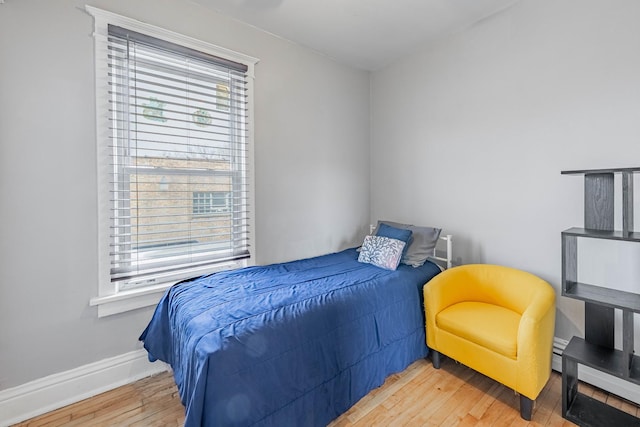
[178, 163]
[211, 202]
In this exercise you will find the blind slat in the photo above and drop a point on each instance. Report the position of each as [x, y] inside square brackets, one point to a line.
[177, 248]
[143, 89]
[168, 216]
[184, 235]
[199, 135]
[210, 88]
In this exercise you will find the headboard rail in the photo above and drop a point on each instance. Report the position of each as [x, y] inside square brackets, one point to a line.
[448, 258]
[447, 238]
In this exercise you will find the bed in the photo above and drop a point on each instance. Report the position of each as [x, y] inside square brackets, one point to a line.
[295, 343]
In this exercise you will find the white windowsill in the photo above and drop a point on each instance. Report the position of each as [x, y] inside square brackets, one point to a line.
[150, 295]
[129, 300]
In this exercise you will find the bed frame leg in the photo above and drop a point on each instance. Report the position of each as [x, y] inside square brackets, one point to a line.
[526, 407]
[435, 359]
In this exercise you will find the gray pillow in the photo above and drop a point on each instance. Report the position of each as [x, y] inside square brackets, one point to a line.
[423, 241]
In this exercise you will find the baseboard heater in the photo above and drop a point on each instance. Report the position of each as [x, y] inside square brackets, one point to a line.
[599, 379]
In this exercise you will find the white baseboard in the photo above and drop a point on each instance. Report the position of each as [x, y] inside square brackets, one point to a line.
[55, 391]
[617, 386]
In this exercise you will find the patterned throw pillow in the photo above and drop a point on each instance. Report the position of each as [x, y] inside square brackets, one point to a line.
[381, 251]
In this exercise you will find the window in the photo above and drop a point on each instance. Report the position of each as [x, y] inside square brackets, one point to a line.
[174, 150]
[211, 202]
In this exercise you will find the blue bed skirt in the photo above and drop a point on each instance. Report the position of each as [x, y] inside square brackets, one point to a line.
[295, 343]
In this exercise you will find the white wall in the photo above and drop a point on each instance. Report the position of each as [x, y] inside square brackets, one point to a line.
[471, 133]
[311, 171]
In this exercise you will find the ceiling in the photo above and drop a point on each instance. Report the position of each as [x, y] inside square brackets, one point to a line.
[366, 34]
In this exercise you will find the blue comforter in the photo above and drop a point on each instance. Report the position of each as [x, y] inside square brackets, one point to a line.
[294, 344]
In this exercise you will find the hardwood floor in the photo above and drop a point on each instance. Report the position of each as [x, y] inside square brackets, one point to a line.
[419, 396]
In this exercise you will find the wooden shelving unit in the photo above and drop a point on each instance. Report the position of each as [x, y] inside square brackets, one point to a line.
[597, 350]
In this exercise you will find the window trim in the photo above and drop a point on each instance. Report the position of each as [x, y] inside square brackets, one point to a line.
[107, 300]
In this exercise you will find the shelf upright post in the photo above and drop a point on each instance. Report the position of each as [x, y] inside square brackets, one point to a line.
[569, 262]
[627, 203]
[627, 229]
[598, 201]
[627, 339]
[599, 320]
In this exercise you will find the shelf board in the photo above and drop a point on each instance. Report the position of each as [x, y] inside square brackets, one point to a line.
[597, 171]
[601, 295]
[589, 412]
[608, 360]
[631, 236]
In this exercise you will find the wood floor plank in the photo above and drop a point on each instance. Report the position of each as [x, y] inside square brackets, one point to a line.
[491, 391]
[498, 409]
[440, 402]
[468, 421]
[461, 402]
[415, 411]
[376, 397]
[630, 408]
[453, 396]
[412, 401]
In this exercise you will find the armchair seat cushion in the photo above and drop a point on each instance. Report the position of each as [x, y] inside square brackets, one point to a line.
[488, 325]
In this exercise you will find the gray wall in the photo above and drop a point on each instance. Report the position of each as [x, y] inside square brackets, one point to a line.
[490, 116]
[311, 171]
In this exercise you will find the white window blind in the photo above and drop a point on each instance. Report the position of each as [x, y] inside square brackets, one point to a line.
[178, 132]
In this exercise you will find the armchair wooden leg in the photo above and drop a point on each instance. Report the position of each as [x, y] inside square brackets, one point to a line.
[526, 407]
[435, 359]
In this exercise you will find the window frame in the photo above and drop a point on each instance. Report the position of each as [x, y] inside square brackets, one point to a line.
[108, 300]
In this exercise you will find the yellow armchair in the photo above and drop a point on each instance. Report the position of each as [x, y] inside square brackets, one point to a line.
[496, 320]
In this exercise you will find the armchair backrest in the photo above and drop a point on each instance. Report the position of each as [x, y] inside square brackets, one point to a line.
[494, 284]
